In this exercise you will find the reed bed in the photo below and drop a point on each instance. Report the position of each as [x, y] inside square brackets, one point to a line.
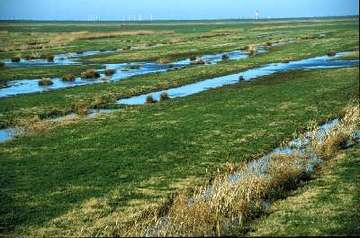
[224, 207]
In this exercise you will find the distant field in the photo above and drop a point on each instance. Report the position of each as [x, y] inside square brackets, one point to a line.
[93, 176]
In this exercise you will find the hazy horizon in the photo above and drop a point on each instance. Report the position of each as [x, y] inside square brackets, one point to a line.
[113, 10]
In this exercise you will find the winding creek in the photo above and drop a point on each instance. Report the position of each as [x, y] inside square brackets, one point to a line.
[322, 62]
[123, 71]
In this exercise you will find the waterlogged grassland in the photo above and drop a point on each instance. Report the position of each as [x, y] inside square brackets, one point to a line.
[91, 177]
[62, 100]
[328, 205]
[162, 42]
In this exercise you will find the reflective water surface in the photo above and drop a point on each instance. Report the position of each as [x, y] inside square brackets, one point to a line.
[323, 62]
[123, 70]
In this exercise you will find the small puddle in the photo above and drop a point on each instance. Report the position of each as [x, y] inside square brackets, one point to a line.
[323, 62]
[6, 134]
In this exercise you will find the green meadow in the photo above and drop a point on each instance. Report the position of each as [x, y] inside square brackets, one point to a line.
[95, 176]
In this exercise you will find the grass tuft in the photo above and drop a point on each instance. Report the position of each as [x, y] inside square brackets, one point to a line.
[31, 126]
[81, 107]
[164, 96]
[45, 82]
[15, 59]
[198, 62]
[90, 74]
[150, 99]
[338, 137]
[69, 77]
[251, 49]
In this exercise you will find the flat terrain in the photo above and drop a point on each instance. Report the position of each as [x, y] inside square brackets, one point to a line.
[94, 175]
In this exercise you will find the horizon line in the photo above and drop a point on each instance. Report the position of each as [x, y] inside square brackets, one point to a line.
[169, 19]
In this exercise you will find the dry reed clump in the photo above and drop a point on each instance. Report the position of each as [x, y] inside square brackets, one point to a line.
[225, 205]
[81, 107]
[36, 125]
[198, 62]
[101, 101]
[45, 82]
[90, 74]
[164, 60]
[327, 145]
[31, 126]
[251, 49]
[286, 172]
[69, 77]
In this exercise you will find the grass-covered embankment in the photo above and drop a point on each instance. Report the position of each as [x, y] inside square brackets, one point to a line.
[326, 206]
[93, 177]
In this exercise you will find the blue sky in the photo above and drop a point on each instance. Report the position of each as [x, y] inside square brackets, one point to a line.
[172, 9]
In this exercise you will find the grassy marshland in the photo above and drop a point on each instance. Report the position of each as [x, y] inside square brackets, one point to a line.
[95, 176]
[91, 177]
[61, 100]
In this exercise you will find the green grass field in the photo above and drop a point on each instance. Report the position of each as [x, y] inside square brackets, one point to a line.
[94, 176]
